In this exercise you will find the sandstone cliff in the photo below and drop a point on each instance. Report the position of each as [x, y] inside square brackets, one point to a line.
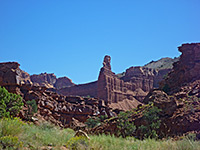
[113, 90]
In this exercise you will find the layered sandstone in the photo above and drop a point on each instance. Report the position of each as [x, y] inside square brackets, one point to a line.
[144, 78]
[113, 90]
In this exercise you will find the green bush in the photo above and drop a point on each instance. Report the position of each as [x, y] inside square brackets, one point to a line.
[10, 142]
[92, 122]
[125, 126]
[10, 104]
[32, 109]
[78, 142]
[152, 123]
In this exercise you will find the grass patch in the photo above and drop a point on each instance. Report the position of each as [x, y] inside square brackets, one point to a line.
[15, 134]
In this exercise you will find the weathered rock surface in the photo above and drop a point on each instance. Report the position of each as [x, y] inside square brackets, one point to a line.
[113, 90]
[187, 69]
[144, 78]
[11, 74]
[51, 81]
[63, 82]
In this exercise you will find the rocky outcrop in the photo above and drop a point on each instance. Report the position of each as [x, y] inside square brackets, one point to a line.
[44, 79]
[63, 110]
[11, 74]
[145, 78]
[140, 77]
[51, 81]
[63, 82]
[186, 70]
[113, 90]
[150, 75]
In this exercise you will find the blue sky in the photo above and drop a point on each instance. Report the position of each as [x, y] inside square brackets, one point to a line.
[70, 38]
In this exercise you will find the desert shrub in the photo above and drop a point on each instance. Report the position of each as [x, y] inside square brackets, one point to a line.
[78, 142]
[47, 126]
[92, 122]
[152, 123]
[10, 142]
[10, 104]
[11, 127]
[125, 126]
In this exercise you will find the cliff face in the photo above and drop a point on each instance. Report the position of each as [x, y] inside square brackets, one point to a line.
[187, 69]
[140, 77]
[144, 78]
[113, 90]
[116, 93]
[51, 81]
[11, 74]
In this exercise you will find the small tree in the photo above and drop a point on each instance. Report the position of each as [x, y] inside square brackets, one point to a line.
[125, 126]
[152, 123]
[33, 106]
[10, 104]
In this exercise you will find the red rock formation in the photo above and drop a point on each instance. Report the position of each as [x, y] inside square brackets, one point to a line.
[11, 74]
[63, 82]
[51, 81]
[113, 90]
[44, 79]
[60, 110]
[140, 77]
[187, 69]
[144, 78]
